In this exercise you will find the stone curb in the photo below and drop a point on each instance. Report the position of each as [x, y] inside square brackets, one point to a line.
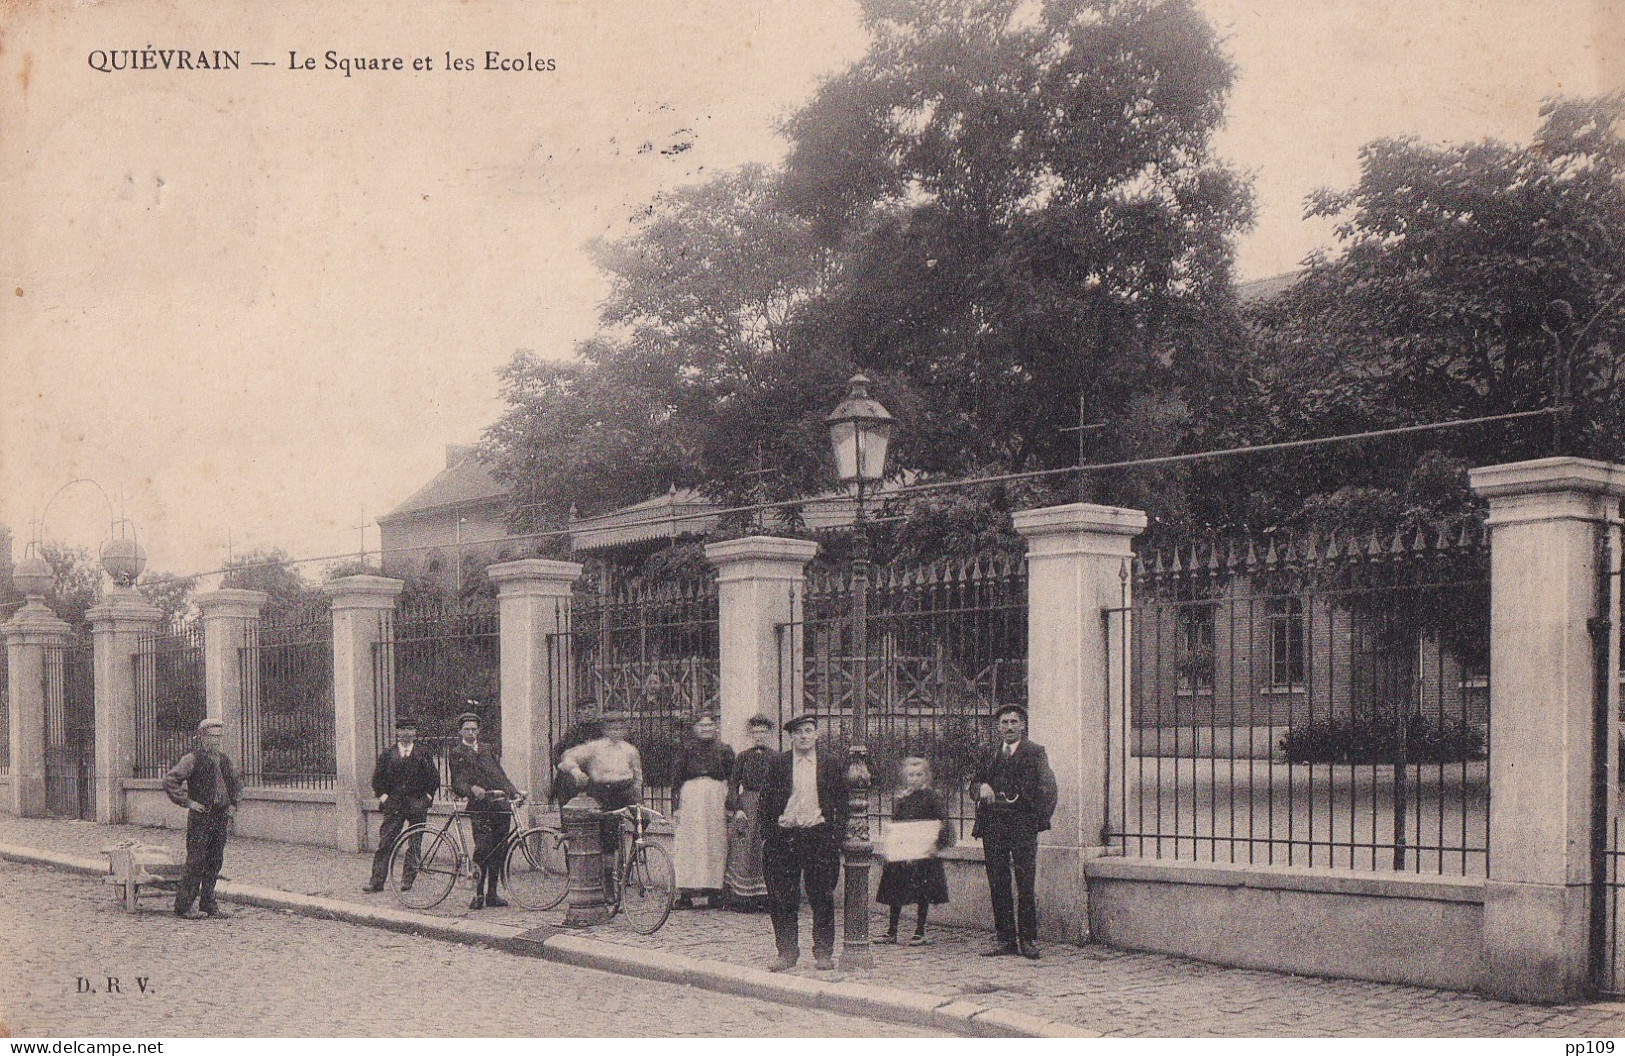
[954, 1015]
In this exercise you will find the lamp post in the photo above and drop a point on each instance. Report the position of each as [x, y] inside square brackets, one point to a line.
[859, 430]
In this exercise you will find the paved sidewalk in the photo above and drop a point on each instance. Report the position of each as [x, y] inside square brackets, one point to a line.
[1098, 990]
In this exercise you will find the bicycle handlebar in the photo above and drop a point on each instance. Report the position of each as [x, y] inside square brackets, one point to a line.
[634, 810]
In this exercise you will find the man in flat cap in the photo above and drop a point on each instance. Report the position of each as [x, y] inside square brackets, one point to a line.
[477, 776]
[404, 780]
[205, 783]
[1014, 789]
[804, 811]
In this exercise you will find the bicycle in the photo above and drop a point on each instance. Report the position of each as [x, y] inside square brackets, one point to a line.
[535, 873]
[643, 883]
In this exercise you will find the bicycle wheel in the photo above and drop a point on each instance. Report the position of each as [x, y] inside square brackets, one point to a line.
[440, 863]
[538, 870]
[649, 889]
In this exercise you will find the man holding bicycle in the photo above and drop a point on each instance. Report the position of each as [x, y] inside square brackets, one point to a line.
[477, 776]
[610, 770]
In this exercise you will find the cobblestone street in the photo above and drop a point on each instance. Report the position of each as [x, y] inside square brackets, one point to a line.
[1109, 991]
[274, 974]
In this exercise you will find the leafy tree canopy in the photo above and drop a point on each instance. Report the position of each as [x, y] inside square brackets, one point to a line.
[1461, 271]
[1000, 208]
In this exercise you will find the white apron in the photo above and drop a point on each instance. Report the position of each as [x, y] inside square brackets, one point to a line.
[701, 850]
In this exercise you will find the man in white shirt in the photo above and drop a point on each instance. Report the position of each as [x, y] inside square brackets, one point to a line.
[804, 819]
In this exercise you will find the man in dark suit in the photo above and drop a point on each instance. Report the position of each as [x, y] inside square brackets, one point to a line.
[804, 811]
[1014, 789]
[476, 775]
[404, 780]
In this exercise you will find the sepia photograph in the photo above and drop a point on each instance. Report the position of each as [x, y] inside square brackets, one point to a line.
[906, 519]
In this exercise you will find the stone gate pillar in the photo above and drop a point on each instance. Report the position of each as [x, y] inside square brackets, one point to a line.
[117, 624]
[229, 617]
[362, 608]
[1544, 520]
[29, 633]
[759, 587]
[1076, 556]
[533, 599]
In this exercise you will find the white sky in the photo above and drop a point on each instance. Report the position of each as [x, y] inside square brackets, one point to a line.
[261, 302]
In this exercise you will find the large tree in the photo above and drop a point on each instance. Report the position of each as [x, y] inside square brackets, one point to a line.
[1465, 275]
[1001, 207]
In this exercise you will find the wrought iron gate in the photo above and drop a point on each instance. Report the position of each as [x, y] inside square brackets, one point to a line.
[1608, 826]
[70, 730]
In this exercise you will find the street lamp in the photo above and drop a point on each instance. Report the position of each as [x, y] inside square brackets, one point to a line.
[859, 431]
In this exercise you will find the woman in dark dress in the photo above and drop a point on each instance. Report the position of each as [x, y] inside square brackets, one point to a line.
[747, 890]
[699, 798]
[921, 882]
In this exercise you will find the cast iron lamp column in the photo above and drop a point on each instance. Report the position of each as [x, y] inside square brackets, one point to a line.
[860, 429]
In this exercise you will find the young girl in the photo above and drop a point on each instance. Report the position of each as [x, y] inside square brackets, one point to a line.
[923, 882]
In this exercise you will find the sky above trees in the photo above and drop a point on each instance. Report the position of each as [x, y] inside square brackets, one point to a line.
[260, 308]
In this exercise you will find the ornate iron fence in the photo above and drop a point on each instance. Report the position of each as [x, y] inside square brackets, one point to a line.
[436, 659]
[947, 645]
[647, 648]
[1319, 702]
[70, 729]
[286, 672]
[169, 696]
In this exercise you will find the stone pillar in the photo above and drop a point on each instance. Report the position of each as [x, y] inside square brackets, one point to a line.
[362, 609]
[759, 587]
[117, 624]
[533, 599]
[28, 634]
[1545, 516]
[1076, 555]
[229, 617]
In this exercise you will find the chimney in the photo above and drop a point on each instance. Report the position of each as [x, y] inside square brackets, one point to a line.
[455, 453]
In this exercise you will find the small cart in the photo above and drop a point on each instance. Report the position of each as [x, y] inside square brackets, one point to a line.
[132, 866]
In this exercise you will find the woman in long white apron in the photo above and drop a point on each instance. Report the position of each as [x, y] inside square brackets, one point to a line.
[699, 797]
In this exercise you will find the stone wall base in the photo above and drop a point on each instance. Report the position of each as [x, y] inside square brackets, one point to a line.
[1423, 931]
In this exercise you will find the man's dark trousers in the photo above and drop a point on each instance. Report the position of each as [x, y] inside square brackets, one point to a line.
[394, 822]
[490, 827]
[790, 858]
[1004, 860]
[205, 854]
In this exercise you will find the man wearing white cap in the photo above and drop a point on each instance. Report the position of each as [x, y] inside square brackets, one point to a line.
[205, 783]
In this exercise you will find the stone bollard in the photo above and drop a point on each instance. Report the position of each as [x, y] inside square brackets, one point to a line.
[581, 817]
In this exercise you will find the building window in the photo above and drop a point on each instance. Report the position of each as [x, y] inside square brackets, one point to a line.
[1286, 642]
[1193, 648]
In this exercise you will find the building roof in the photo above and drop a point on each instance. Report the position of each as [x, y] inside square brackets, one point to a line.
[464, 482]
[680, 511]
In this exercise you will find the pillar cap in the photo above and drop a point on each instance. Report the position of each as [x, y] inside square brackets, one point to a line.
[35, 620]
[231, 601]
[1080, 517]
[1544, 476]
[364, 592]
[760, 548]
[124, 606]
[533, 568]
